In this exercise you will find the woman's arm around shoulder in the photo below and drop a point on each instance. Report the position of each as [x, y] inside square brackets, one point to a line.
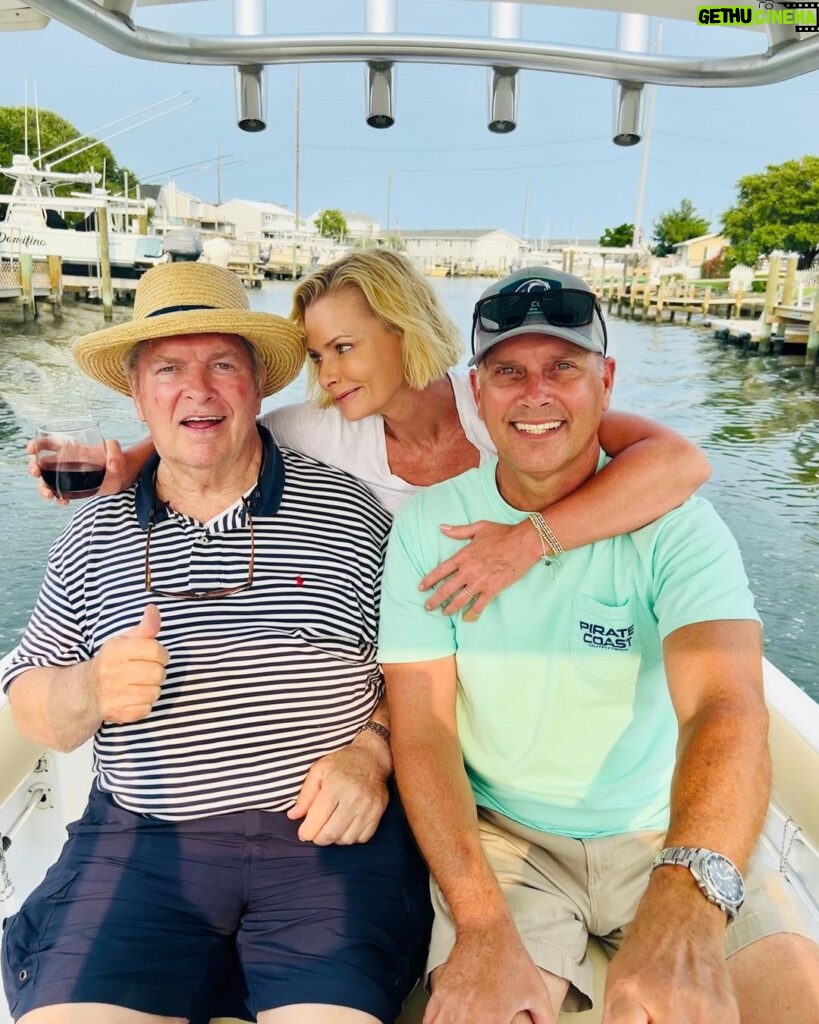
[653, 470]
[659, 466]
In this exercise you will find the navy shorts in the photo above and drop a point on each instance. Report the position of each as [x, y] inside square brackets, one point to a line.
[159, 916]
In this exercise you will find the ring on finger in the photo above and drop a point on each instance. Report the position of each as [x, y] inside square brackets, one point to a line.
[466, 590]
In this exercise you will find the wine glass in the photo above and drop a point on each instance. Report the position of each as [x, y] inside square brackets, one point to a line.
[71, 456]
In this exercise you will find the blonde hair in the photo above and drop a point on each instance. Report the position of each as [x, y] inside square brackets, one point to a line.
[402, 299]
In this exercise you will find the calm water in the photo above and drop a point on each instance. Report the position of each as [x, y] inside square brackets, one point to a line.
[757, 418]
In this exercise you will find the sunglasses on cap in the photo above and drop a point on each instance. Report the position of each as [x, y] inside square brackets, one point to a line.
[561, 307]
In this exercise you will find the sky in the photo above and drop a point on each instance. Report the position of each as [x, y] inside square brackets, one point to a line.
[557, 176]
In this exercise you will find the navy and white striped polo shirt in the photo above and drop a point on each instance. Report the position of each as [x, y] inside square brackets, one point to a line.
[260, 684]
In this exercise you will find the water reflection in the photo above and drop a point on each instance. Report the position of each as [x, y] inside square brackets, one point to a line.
[11, 437]
[757, 417]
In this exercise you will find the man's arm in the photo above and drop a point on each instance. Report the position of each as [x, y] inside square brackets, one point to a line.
[345, 793]
[55, 706]
[671, 967]
[62, 706]
[489, 974]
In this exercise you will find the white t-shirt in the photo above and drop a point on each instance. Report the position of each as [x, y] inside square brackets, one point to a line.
[360, 447]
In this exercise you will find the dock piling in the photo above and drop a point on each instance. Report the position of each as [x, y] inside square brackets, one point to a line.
[27, 283]
[771, 291]
[812, 350]
[55, 279]
[789, 286]
[106, 288]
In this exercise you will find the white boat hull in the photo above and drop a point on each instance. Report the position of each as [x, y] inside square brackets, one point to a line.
[129, 255]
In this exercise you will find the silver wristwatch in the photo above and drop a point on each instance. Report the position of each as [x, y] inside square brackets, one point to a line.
[715, 874]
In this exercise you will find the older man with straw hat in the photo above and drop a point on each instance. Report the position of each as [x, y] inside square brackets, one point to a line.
[213, 628]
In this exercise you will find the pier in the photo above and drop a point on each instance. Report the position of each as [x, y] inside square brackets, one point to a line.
[775, 312]
[30, 283]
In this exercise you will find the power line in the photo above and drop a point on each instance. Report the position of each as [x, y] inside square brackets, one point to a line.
[457, 149]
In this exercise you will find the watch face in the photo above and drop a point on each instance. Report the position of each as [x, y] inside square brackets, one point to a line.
[724, 878]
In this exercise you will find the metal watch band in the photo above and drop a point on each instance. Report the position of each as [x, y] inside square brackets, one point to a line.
[692, 858]
[684, 855]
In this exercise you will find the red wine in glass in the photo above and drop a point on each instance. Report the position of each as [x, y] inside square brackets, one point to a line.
[73, 479]
[71, 456]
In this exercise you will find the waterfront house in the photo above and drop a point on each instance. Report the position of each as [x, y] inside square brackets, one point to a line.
[175, 209]
[693, 252]
[465, 250]
[257, 220]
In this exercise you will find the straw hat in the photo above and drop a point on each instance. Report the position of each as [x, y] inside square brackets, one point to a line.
[192, 298]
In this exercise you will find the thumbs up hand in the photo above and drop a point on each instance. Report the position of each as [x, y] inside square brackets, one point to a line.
[129, 671]
[148, 626]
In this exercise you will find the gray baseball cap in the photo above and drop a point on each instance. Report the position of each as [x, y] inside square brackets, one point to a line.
[548, 312]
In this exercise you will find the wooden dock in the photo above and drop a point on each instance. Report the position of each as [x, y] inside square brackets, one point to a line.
[30, 283]
[770, 321]
[663, 300]
[26, 281]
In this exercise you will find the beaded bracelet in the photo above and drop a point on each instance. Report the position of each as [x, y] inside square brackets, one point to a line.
[547, 537]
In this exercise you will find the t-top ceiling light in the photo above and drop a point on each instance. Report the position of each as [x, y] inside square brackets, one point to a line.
[380, 19]
[249, 20]
[503, 101]
[628, 114]
[632, 37]
[504, 23]
[380, 96]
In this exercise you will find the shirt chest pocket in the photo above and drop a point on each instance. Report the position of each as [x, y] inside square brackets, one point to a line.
[604, 643]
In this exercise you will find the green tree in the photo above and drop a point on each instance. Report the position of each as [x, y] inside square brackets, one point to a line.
[53, 131]
[777, 209]
[676, 226]
[331, 224]
[617, 237]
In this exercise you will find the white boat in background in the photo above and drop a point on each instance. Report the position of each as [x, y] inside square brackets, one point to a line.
[34, 223]
[40, 791]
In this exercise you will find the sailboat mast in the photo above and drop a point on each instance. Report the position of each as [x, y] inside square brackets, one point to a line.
[297, 170]
[37, 120]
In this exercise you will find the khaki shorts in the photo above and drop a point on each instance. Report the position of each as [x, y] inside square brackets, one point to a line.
[563, 890]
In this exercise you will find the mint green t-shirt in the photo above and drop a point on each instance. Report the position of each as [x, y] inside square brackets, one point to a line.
[563, 710]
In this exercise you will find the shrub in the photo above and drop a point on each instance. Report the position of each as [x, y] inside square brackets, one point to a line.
[719, 265]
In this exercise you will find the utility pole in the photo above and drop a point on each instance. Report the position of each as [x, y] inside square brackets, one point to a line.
[294, 266]
[218, 177]
[525, 211]
[389, 193]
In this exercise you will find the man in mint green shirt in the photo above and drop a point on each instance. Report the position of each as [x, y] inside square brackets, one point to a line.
[605, 707]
